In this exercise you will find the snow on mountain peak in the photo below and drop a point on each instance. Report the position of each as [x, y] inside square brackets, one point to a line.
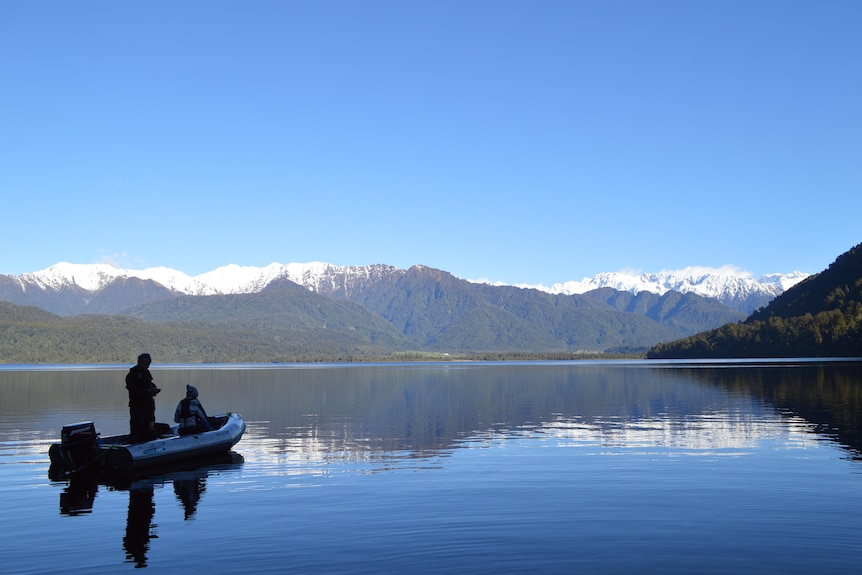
[90, 277]
[231, 279]
[725, 283]
[784, 281]
[93, 277]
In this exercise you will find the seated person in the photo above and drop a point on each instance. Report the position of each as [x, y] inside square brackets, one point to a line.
[190, 414]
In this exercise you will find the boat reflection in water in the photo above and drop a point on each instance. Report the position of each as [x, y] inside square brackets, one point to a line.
[189, 485]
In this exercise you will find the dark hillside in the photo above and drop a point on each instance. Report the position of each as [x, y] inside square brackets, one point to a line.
[441, 312]
[284, 311]
[686, 312]
[835, 288]
[10, 312]
[286, 323]
[819, 317]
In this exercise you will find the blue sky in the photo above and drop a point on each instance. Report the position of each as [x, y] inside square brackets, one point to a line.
[520, 142]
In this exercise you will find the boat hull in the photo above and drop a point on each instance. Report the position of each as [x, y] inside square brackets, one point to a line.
[117, 454]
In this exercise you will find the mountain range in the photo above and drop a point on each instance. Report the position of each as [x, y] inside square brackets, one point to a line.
[71, 313]
[55, 288]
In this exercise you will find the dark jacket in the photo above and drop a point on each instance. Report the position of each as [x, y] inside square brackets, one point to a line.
[141, 388]
[190, 413]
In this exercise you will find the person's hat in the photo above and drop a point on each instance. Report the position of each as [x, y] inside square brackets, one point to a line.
[191, 391]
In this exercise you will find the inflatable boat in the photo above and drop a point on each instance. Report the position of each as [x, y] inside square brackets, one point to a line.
[81, 447]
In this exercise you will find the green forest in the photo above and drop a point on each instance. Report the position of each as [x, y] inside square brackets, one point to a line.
[29, 335]
[819, 317]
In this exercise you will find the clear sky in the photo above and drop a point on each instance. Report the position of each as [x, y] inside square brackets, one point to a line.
[521, 142]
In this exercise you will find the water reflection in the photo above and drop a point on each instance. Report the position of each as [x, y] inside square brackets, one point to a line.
[312, 415]
[189, 484]
[723, 468]
[139, 525]
[828, 396]
[421, 413]
[79, 495]
[188, 491]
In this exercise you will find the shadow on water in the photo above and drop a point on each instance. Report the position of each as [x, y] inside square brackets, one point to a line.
[827, 395]
[189, 484]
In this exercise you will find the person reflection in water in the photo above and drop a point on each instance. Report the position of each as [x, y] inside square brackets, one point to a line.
[78, 497]
[136, 543]
[188, 492]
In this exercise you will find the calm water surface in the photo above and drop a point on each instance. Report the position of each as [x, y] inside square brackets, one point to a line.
[630, 467]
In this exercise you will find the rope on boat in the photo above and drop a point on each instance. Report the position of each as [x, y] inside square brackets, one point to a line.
[100, 454]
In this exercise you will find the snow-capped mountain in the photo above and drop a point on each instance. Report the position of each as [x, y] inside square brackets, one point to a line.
[729, 285]
[229, 279]
[725, 283]
[734, 288]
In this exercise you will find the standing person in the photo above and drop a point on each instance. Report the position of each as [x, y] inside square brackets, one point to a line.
[142, 403]
[190, 414]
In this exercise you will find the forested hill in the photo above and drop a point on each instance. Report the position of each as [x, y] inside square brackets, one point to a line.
[819, 317]
[420, 312]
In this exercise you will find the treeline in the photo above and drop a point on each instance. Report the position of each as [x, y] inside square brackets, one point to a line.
[827, 334]
[819, 317]
[29, 335]
[33, 336]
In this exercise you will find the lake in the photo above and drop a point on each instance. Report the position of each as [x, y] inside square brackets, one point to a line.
[534, 467]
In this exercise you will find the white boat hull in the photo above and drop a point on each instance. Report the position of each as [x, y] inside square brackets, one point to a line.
[117, 454]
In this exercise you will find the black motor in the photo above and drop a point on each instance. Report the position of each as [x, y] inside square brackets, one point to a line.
[77, 447]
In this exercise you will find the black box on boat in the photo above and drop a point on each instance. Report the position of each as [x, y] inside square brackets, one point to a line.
[78, 433]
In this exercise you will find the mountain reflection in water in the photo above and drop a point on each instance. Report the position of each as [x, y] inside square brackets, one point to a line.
[826, 395]
[417, 410]
[426, 413]
[547, 467]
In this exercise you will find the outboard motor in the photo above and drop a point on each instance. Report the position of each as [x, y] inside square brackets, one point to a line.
[77, 448]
